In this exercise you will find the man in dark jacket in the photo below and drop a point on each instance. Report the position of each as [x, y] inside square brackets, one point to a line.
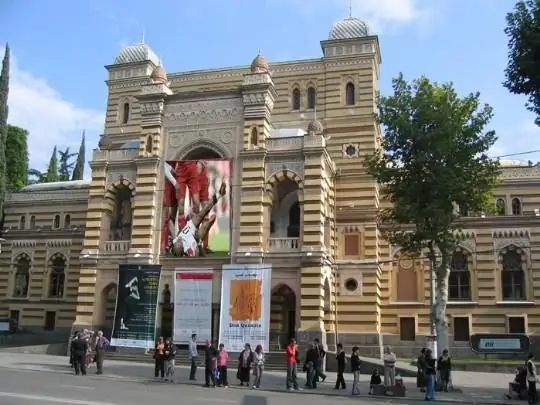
[320, 364]
[210, 363]
[341, 362]
[79, 347]
[312, 358]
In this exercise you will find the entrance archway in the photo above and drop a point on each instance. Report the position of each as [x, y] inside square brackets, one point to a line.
[108, 307]
[282, 315]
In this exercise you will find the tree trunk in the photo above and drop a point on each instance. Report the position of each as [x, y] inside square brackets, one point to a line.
[441, 299]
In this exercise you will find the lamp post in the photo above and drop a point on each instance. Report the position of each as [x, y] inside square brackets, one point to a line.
[432, 317]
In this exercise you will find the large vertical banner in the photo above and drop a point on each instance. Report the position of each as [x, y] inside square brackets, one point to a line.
[136, 302]
[192, 305]
[196, 208]
[245, 306]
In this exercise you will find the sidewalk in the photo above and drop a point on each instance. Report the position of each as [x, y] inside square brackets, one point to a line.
[477, 388]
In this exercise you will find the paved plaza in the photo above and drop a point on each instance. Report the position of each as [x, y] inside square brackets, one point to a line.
[48, 380]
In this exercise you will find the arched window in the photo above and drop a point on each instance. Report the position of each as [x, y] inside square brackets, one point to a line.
[57, 277]
[254, 137]
[56, 224]
[350, 96]
[125, 113]
[122, 215]
[500, 206]
[296, 99]
[311, 97]
[516, 206]
[512, 276]
[22, 222]
[22, 276]
[149, 144]
[32, 222]
[459, 282]
[67, 221]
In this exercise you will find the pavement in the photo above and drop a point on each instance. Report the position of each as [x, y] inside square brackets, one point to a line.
[48, 380]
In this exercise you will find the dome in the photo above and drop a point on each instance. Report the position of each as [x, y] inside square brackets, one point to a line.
[348, 28]
[136, 53]
[259, 65]
[158, 74]
[315, 127]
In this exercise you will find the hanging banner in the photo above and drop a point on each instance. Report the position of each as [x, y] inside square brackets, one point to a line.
[136, 303]
[245, 306]
[192, 305]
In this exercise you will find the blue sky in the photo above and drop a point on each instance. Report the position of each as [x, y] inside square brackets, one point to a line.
[60, 49]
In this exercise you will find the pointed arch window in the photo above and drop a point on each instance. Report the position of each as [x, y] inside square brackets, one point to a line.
[67, 221]
[311, 98]
[22, 222]
[33, 222]
[254, 137]
[57, 277]
[459, 282]
[149, 144]
[516, 206]
[122, 215]
[125, 113]
[512, 276]
[500, 206]
[350, 96]
[296, 99]
[22, 276]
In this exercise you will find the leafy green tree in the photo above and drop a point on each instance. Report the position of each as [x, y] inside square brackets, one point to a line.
[78, 171]
[52, 168]
[4, 92]
[16, 158]
[522, 74]
[35, 176]
[66, 164]
[433, 158]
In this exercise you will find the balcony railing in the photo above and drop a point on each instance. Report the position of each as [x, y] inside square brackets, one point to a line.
[118, 246]
[284, 244]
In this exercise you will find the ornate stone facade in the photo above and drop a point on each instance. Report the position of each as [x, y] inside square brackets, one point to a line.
[301, 201]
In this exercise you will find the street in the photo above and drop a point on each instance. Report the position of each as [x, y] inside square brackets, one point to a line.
[41, 388]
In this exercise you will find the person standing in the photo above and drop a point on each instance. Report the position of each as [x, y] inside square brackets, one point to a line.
[101, 344]
[258, 366]
[444, 366]
[320, 364]
[355, 368]
[79, 348]
[222, 362]
[292, 366]
[341, 361]
[244, 365]
[430, 372]
[389, 363]
[312, 357]
[531, 380]
[170, 355]
[193, 357]
[420, 371]
[210, 355]
[159, 358]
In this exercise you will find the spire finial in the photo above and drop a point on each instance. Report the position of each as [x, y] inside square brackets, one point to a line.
[142, 37]
[350, 8]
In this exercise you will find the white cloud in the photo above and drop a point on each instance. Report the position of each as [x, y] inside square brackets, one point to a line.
[49, 118]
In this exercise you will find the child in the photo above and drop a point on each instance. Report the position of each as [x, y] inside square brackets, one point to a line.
[375, 380]
[222, 361]
[355, 369]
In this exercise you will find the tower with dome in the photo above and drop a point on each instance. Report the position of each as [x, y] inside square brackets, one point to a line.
[293, 135]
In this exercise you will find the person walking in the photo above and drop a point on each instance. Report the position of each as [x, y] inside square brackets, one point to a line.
[170, 355]
[292, 366]
[319, 369]
[222, 363]
[431, 372]
[101, 344]
[341, 361]
[210, 355]
[258, 366]
[193, 357]
[79, 348]
[532, 377]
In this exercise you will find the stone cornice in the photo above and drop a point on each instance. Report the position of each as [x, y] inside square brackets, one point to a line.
[44, 234]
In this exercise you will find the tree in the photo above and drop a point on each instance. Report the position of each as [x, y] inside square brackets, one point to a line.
[35, 176]
[65, 164]
[78, 171]
[52, 168]
[522, 74]
[433, 158]
[4, 92]
[16, 158]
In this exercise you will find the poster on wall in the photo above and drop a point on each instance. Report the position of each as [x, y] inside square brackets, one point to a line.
[136, 303]
[196, 208]
[192, 305]
[245, 306]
